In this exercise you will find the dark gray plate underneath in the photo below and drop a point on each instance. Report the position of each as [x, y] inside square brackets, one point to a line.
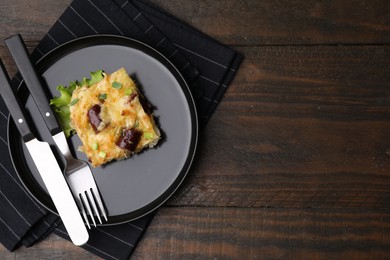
[136, 186]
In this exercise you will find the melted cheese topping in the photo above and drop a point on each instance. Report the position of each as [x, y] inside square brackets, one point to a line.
[120, 110]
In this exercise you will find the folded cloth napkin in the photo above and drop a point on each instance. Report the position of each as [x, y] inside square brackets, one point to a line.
[207, 66]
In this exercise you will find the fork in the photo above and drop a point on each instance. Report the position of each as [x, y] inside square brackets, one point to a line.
[77, 172]
[82, 183]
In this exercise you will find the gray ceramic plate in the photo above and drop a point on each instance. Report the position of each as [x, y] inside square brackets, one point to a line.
[136, 186]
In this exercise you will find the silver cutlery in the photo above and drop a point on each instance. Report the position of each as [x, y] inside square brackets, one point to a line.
[77, 172]
[46, 164]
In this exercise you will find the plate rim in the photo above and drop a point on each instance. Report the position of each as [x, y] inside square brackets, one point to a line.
[94, 40]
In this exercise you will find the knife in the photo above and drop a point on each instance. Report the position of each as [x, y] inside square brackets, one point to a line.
[46, 164]
[77, 173]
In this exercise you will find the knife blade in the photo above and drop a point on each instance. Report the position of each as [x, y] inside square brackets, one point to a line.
[46, 164]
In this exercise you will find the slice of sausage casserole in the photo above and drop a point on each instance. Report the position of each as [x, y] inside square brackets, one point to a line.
[112, 119]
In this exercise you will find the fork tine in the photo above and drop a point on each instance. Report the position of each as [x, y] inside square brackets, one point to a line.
[99, 201]
[86, 204]
[94, 207]
[83, 213]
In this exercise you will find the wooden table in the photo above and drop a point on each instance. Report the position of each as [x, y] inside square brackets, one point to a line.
[295, 162]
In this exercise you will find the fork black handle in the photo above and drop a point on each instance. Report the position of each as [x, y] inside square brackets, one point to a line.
[14, 106]
[33, 82]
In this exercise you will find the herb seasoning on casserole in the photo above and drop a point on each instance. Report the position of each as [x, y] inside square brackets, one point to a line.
[109, 114]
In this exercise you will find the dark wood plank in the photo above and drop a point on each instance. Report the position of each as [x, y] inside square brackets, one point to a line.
[32, 19]
[231, 233]
[246, 233]
[280, 22]
[285, 22]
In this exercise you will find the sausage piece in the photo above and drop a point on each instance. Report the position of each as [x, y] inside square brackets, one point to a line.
[129, 139]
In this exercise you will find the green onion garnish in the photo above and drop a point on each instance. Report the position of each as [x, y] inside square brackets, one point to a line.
[116, 85]
[128, 92]
[74, 101]
[102, 154]
[148, 135]
[95, 146]
[103, 96]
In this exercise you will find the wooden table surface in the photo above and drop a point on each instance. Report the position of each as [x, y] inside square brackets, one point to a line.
[295, 162]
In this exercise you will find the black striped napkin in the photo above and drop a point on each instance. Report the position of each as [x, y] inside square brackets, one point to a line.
[207, 66]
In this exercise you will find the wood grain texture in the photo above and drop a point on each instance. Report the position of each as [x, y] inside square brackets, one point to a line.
[279, 22]
[285, 22]
[295, 162]
[230, 233]
[32, 19]
[248, 233]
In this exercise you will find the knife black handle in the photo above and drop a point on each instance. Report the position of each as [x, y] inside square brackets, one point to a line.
[13, 104]
[20, 54]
